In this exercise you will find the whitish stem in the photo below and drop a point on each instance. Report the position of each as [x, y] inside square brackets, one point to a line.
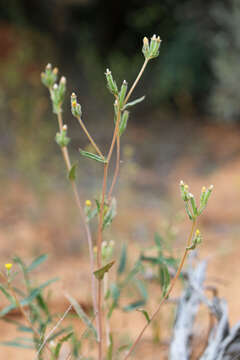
[82, 216]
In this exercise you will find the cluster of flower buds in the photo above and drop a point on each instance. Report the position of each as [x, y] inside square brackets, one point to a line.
[75, 106]
[107, 250]
[57, 91]
[61, 137]
[192, 209]
[151, 51]
[49, 77]
[111, 83]
[196, 240]
[57, 95]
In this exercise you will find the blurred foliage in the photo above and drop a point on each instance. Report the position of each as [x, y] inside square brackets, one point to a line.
[225, 99]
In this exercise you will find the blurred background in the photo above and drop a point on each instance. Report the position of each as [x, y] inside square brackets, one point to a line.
[187, 128]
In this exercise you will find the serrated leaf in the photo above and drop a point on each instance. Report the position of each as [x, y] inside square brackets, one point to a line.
[34, 293]
[99, 274]
[93, 156]
[134, 305]
[72, 172]
[144, 312]
[123, 260]
[38, 261]
[134, 102]
[82, 315]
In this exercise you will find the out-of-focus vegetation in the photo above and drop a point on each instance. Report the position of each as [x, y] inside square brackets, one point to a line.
[197, 73]
[199, 55]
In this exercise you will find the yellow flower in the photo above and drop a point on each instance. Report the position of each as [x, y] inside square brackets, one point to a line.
[88, 203]
[8, 266]
[197, 232]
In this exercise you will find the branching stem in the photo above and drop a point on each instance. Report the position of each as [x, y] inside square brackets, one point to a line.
[167, 293]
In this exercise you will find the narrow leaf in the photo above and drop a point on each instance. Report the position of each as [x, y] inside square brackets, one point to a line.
[99, 274]
[93, 156]
[16, 344]
[134, 102]
[123, 260]
[134, 305]
[144, 312]
[82, 315]
[34, 293]
[38, 261]
[61, 341]
[72, 172]
[110, 348]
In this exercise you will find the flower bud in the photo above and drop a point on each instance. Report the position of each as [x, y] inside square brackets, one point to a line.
[122, 93]
[75, 106]
[112, 86]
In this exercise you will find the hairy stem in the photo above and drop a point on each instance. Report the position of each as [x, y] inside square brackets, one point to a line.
[82, 216]
[167, 293]
[116, 172]
[136, 81]
[89, 137]
[99, 238]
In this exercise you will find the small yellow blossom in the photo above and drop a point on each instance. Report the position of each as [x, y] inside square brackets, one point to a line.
[8, 266]
[197, 233]
[203, 189]
[74, 103]
[88, 203]
[186, 187]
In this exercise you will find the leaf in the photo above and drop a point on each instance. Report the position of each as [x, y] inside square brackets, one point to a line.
[136, 269]
[134, 102]
[93, 156]
[43, 304]
[38, 261]
[134, 305]
[111, 213]
[164, 278]
[6, 293]
[25, 329]
[123, 122]
[123, 260]
[115, 294]
[158, 241]
[82, 315]
[99, 274]
[61, 341]
[58, 333]
[16, 344]
[142, 289]
[144, 312]
[34, 293]
[110, 348]
[72, 172]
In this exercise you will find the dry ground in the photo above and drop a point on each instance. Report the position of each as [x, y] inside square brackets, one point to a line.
[32, 224]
